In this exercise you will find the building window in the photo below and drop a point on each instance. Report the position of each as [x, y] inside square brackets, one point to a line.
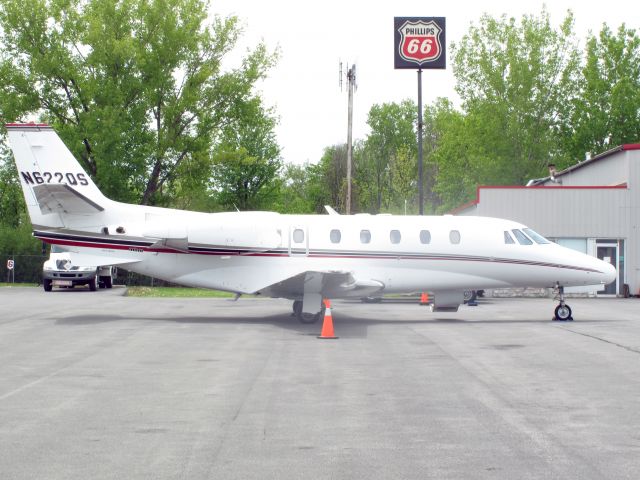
[425, 236]
[298, 235]
[395, 236]
[521, 237]
[508, 238]
[454, 237]
[335, 236]
[365, 236]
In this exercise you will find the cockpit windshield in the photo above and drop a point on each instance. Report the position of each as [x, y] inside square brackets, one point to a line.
[536, 237]
[521, 237]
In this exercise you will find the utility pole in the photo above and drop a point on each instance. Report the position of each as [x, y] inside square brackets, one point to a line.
[353, 86]
[351, 77]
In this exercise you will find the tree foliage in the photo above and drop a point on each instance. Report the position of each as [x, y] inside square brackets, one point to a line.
[516, 81]
[393, 135]
[607, 110]
[134, 87]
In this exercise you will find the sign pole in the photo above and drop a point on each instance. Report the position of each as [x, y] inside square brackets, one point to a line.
[420, 175]
[421, 42]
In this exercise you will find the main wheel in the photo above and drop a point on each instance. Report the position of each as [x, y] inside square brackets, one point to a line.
[563, 312]
[93, 284]
[308, 318]
[297, 307]
[108, 281]
[47, 284]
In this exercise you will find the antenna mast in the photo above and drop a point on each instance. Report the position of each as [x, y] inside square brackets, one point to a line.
[351, 78]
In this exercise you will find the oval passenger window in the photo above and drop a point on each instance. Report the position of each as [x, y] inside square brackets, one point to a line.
[298, 235]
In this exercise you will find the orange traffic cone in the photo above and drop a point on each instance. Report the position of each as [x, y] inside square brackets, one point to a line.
[424, 299]
[327, 323]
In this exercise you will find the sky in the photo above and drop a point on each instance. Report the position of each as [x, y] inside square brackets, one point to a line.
[314, 37]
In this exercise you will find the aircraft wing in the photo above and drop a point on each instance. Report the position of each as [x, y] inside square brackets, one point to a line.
[61, 198]
[330, 283]
[88, 260]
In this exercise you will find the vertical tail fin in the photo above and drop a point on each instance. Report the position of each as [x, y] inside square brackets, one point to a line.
[53, 182]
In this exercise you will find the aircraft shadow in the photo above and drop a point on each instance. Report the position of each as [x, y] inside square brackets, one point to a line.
[345, 325]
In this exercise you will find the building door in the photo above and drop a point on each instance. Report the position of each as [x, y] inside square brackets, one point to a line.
[608, 252]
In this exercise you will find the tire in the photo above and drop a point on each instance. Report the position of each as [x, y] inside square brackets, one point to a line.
[563, 312]
[371, 299]
[297, 308]
[93, 284]
[108, 282]
[309, 318]
[47, 284]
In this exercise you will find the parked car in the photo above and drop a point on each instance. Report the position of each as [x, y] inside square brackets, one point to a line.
[60, 272]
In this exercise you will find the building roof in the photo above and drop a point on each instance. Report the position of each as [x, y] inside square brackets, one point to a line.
[540, 182]
[600, 156]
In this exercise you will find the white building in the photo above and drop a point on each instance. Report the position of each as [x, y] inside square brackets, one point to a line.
[593, 207]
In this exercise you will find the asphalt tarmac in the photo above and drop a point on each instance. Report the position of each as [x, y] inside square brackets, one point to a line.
[95, 385]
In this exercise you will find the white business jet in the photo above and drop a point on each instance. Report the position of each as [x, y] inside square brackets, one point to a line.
[304, 258]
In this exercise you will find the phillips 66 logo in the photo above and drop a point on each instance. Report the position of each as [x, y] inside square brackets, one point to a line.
[419, 43]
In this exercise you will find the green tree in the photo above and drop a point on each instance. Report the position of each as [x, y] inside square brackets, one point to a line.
[12, 208]
[297, 190]
[134, 87]
[392, 129]
[247, 160]
[517, 81]
[607, 111]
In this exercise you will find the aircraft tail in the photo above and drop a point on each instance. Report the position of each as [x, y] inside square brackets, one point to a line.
[55, 186]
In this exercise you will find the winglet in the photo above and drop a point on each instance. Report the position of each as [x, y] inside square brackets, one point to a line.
[330, 210]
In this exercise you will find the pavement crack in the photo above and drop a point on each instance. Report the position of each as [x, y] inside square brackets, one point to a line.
[595, 337]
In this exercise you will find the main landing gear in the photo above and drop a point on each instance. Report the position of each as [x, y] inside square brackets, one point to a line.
[306, 317]
[563, 311]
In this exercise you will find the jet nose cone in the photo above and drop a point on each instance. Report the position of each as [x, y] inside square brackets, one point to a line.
[608, 273]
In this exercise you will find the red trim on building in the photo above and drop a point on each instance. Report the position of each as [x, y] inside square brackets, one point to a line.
[631, 146]
[23, 125]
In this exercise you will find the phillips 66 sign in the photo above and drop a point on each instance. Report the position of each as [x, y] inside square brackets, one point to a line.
[419, 42]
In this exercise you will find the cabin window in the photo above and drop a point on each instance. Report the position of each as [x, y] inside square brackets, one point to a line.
[298, 235]
[365, 236]
[425, 236]
[508, 238]
[521, 237]
[536, 237]
[454, 237]
[335, 236]
[395, 236]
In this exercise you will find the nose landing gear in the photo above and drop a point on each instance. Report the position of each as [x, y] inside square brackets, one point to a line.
[562, 312]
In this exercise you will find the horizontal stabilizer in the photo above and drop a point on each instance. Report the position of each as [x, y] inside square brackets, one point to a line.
[61, 198]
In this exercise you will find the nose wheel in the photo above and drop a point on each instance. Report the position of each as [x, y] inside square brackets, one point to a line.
[562, 312]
